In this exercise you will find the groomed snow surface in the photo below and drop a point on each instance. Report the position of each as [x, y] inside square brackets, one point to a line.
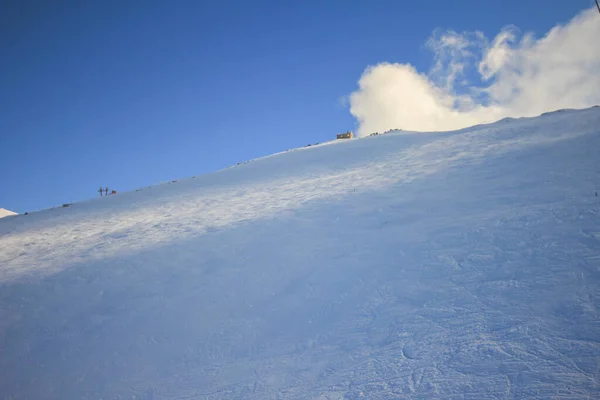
[456, 265]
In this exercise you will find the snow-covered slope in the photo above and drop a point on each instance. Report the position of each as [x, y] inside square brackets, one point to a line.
[460, 265]
[5, 213]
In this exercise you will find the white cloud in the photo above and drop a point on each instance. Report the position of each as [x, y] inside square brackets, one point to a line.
[498, 55]
[474, 80]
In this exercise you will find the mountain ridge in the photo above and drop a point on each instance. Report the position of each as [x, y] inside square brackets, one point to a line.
[442, 265]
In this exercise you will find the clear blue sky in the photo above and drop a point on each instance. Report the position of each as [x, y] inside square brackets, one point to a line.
[130, 93]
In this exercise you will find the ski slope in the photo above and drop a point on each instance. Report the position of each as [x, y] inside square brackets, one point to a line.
[451, 265]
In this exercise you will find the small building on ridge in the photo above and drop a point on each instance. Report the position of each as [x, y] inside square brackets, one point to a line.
[347, 135]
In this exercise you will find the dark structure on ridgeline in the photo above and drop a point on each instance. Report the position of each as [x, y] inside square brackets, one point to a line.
[105, 190]
[347, 135]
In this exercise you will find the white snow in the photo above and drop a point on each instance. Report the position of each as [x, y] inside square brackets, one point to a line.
[5, 213]
[443, 265]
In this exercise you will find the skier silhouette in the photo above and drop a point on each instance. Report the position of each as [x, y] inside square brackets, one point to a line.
[100, 190]
[106, 191]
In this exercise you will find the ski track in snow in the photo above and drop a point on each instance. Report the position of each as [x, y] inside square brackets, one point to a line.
[461, 265]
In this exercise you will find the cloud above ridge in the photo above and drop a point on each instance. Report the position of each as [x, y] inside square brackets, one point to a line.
[474, 80]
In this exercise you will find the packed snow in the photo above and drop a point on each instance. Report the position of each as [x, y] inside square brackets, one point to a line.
[5, 213]
[461, 265]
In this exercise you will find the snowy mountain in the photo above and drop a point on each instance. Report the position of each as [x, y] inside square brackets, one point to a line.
[5, 213]
[461, 265]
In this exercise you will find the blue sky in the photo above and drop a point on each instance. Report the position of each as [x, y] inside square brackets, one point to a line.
[126, 94]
